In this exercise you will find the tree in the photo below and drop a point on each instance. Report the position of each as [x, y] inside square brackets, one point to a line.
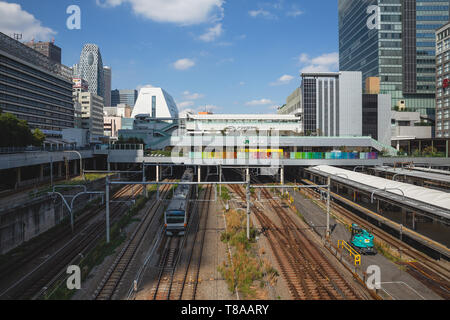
[38, 137]
[14, 132]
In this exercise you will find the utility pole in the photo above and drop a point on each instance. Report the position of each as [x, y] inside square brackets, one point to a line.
[143, 180]
[107, 209]
[248, 204]
[328, 206]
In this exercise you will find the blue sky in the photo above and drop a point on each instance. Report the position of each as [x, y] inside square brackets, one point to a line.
[235, 56]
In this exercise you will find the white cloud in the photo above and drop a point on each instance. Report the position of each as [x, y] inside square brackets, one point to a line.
[261, 13]
[192, 96]
[15, 20]
[261, 102]
[212, 33]
[207, 108]
[183, 12]
[183, 64]
[294, 13]
[285, 79]
[226, 60]
[328, 62]
[185, 104]
[139, 87]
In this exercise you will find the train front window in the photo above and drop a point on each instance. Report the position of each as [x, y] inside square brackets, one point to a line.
[175, 217]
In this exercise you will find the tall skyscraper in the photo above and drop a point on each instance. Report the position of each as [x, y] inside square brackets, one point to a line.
[395, 41]
[443, 82]
[128, 97]
[108, 77]
[91, 69]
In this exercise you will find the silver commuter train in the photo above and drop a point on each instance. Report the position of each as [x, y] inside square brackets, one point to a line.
[176, 216]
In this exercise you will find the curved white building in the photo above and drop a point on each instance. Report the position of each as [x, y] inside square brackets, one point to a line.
[155, 103]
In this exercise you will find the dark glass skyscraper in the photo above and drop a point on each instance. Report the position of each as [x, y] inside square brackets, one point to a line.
[395, 41]
[128, 97]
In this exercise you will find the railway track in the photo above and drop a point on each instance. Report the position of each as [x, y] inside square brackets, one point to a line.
[308, 274]
[110, 285]
[423, 268]
[178, 278]
[38, 248]
[35, 282]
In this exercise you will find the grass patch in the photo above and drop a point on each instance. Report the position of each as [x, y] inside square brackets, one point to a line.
[385, 251]
[225, 193]
[246, 270]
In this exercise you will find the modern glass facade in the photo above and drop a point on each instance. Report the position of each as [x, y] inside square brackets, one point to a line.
[370, 115]
[34, 88]
[309, 89]
[394, 40]
[128, 97]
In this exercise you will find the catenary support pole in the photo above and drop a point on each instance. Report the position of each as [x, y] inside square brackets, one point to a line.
[328, 206]
[107, 209]
[248, 204]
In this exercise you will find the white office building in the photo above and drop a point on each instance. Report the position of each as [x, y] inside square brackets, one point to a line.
[241, 123]
[155, 103]
[332, 103]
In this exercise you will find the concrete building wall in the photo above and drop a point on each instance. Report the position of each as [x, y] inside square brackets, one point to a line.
[411, 132]
[92, 112]
[350, 104]
[20, 224]
[384, 119]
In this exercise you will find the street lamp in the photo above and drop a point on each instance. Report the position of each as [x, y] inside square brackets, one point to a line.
[81, 162]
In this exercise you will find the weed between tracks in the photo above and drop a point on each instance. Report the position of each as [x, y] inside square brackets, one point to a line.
[247, 270]
[103, 249]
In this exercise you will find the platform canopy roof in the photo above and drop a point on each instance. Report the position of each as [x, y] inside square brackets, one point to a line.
[421, 175]
[414, 195]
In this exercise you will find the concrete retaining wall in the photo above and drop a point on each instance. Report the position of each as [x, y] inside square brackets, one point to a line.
[22, 223]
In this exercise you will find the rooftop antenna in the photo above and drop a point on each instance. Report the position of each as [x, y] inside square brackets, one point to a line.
[17, 36]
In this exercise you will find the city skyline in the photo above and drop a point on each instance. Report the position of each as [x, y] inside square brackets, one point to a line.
[201, 57]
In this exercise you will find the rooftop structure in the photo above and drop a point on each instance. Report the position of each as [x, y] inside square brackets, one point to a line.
[216, 123]
[48, 49]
